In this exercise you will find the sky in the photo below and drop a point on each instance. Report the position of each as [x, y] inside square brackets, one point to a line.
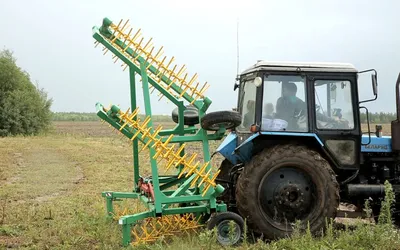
[52, 41]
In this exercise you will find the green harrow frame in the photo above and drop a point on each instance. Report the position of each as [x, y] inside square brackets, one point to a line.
[155, 73]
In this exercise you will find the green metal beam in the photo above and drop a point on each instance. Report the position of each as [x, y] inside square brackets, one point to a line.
[135, 144]
[120, 194]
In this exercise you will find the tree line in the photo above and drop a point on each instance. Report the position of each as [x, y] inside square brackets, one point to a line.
[378, 117]
[82, 116]
[24, 107]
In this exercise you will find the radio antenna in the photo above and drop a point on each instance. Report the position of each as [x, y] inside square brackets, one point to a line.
[237, 48]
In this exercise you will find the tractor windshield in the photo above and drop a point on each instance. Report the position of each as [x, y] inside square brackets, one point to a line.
[247, 104]
[284, 107]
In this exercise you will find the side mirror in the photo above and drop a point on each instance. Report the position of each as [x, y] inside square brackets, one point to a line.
[235, 86]
[374, 84]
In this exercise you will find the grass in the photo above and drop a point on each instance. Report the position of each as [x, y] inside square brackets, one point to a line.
[50, 196]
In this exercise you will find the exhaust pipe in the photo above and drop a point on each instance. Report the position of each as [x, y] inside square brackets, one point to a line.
[366, 190]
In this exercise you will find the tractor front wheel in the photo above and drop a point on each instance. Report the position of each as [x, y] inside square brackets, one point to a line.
[285, 184]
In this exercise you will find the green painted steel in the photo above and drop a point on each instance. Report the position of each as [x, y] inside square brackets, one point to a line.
[163, 198]
[135, 144]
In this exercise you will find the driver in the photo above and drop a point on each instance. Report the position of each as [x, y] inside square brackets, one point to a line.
[289, 106]
[248, 118]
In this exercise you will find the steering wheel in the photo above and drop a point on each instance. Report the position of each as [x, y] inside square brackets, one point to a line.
[334, 124]
[317, 108]
[327, 125]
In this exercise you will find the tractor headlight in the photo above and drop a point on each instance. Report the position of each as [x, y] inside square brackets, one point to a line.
[258, 81]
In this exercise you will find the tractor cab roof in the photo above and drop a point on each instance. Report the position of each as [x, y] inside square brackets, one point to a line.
[302, 66]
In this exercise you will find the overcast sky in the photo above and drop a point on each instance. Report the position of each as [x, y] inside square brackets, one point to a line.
[52, 40]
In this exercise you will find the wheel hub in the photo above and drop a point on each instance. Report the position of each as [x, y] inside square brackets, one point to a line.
[286, 195]
[290, 196]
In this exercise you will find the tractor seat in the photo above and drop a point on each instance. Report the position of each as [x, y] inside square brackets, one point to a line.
[190, 115]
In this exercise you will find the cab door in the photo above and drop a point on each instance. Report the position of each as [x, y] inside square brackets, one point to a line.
[335, 113]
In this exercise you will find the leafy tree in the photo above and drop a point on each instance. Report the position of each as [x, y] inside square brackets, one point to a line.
[24, 107]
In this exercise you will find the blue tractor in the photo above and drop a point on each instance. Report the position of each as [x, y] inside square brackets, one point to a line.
[299, 149]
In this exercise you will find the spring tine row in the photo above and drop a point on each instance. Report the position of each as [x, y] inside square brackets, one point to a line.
[159, 69]
[153, 228]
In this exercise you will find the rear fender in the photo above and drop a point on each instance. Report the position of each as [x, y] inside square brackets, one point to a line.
[233, 153]
[243, 152]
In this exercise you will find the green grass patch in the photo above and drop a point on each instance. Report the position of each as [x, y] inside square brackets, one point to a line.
[50, 198]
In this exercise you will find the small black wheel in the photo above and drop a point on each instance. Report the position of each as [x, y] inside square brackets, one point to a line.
[190, 115]
[215, 120]
[226, 234]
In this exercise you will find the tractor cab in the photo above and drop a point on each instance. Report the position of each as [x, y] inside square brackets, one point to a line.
[315, 103]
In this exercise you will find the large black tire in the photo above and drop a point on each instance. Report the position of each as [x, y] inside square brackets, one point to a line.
[190, 115]
[213, 121]
[284, 184]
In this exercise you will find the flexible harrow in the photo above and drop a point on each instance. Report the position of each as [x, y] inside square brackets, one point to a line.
[194, 182]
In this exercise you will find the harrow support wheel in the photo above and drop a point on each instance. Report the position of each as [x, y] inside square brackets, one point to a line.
[227, 234]
[190, 115]
[213, 121]
[285, 184]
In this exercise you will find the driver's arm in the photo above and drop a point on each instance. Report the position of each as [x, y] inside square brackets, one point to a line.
[303, 106]
[324, 118]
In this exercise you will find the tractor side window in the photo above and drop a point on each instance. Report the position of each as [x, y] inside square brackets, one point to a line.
[248, 105]
[333, 105]
[284, 107]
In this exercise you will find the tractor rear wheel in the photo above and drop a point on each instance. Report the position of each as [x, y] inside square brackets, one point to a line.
[285, 184]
